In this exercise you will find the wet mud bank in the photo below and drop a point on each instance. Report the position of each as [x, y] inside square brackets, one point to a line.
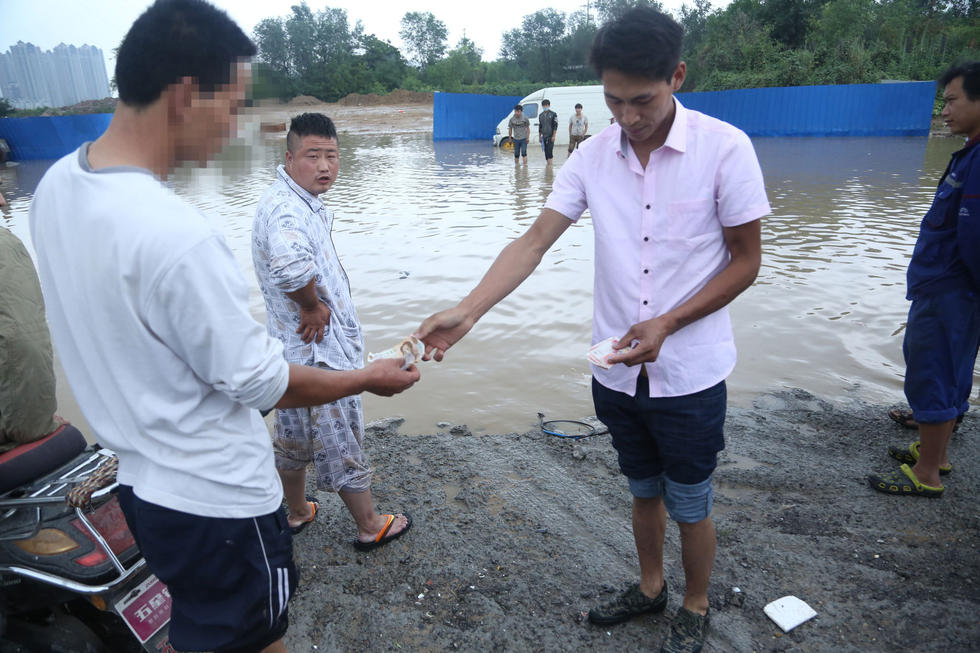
[517, 535]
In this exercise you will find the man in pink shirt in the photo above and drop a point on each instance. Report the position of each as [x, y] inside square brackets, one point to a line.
[676, 199]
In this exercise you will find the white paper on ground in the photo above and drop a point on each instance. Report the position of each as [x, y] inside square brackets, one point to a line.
[789, 612]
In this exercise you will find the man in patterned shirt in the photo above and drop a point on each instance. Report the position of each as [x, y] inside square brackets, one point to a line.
[309, 308]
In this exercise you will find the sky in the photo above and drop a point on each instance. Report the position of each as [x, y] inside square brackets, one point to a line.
[103, 23]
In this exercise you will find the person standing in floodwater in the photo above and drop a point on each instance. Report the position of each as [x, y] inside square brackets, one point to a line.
[676, 199]
[518, 130]
[942, 333]
[149, 314]
[578, 128]
[547, 130]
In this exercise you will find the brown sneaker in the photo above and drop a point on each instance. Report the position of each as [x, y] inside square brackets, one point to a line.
[631, 603]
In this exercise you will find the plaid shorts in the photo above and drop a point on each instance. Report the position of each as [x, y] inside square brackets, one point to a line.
[330, 437]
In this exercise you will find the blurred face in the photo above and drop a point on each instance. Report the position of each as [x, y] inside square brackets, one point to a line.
[578, 111]
[960, 113]
[518, 113]
[315, 163]
[209, 118]
[643, 107]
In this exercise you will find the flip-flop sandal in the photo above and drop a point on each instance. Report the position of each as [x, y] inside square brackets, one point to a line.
[907, 420]
[382, 537]
[905, 484]
[903, 418]
[910, 456]
[298, 528]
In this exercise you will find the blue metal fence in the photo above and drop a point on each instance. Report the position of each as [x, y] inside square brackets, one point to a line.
[50, 137]
[467, 116]
[896, 109]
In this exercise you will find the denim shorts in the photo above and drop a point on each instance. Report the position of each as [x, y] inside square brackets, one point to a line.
[230, 580]
[940, 347]
[666, 445]
[520, 147]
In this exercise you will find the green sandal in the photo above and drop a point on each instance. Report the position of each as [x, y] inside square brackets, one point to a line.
[910, 456]
[905, 484]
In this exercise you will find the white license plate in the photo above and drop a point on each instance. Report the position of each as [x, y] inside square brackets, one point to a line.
[146, 609]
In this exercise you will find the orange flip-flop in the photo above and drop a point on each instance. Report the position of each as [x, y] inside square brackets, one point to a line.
[297, 529]
[382, 537]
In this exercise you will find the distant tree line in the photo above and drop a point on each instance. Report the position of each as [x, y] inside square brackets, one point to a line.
[748, 44]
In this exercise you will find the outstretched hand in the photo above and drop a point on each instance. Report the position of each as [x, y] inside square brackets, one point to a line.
[386, 377]
[441, 331]
[648, 337]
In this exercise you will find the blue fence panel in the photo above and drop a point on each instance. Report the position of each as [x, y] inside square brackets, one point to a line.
[468, 116]
[897, 109]
[50, 137]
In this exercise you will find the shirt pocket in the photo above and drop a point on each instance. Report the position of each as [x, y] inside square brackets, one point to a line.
[691, 219]
[944, 210]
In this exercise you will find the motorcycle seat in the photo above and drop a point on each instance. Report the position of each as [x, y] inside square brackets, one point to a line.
[32, 460]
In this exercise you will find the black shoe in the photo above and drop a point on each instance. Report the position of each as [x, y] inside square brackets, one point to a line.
[627, 605]
[686, 633]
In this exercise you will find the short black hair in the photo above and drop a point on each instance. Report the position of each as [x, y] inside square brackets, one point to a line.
[643, 42]
[544, 102]
[174, 39]
[970, 72]
[518, 107]
[578, 106]
[309, 124]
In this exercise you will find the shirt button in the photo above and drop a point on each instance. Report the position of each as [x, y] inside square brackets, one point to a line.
[646, 271]
[645, 239]
[648, 206]
[644, 302]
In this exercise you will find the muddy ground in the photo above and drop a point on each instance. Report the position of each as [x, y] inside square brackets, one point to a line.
[352, 119]
[517, 535]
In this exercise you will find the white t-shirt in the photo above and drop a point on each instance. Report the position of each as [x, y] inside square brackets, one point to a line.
[149, 315]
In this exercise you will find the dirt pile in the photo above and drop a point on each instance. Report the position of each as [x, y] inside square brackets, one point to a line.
[304, 101]
[399, 96]
[105, 105]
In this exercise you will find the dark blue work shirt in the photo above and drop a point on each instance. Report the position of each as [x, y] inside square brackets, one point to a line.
[947, 253]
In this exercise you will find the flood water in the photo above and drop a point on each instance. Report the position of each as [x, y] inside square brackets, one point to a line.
[419, 222]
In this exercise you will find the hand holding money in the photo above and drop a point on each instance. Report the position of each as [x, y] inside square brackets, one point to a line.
[410, 350]
[600, 352]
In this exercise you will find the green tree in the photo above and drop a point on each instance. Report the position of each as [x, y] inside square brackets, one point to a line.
[272, 40]
[383, 62]
[612, 9]
[425, 35]
[5, 108]
[532, 47]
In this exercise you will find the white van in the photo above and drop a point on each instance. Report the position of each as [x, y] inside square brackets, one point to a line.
[563, 100]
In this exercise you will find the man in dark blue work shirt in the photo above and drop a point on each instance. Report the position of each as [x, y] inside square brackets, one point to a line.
[943, 330]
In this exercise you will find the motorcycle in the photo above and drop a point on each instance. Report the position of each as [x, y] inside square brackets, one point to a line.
[72, 579]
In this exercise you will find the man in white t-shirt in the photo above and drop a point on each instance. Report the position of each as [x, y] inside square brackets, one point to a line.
[578, 127]
[149, 314]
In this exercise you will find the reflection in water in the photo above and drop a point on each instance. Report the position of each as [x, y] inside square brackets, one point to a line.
[418, 223]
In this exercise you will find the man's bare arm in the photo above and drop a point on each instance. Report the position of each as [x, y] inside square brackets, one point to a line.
[314, 315]
[512, 266]
[311, 386]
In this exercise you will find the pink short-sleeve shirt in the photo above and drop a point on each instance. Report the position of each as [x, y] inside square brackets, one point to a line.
[659, 240]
